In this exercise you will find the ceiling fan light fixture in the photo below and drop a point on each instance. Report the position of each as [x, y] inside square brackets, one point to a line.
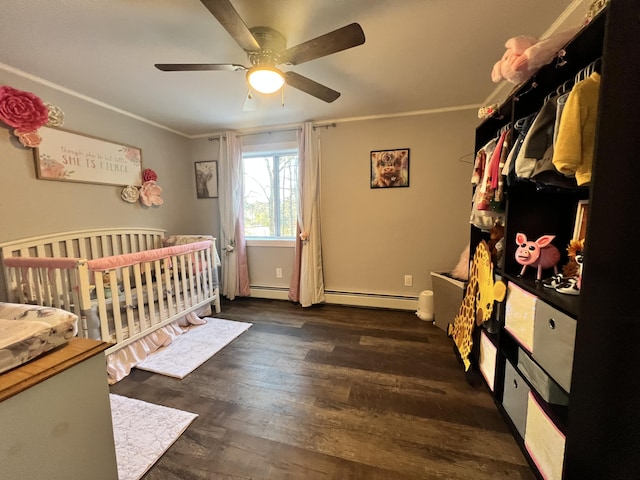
[265, 79]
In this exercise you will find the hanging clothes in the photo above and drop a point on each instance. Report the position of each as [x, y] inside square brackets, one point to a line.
[562, 100]
[481, 214]
[574, 149]
[522, 127]
[539, 139]
[505, 143]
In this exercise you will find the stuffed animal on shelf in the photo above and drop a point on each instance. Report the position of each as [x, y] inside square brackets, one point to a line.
[525, 55]
[477, 304]
[540, 254]
[495, 244]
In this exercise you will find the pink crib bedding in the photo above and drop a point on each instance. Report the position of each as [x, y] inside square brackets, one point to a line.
[28, 331]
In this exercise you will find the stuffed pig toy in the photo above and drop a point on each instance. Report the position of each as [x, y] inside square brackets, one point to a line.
[540, 254]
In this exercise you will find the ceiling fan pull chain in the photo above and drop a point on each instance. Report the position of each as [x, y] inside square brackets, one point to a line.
[282, 90]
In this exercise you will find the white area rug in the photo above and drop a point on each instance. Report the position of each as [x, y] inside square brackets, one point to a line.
[192, 349]
[143, 432]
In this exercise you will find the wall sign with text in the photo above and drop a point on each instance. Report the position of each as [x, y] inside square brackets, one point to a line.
[68, 156]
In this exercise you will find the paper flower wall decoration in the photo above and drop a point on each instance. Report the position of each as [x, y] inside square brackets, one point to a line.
[149, 175]
[130, 194]
[28, 138]
[56, 115]
[150, 194]
[22, 110]
[27, 113]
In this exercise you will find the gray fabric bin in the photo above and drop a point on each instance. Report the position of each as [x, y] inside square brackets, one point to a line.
[543, 384]
[514, 400]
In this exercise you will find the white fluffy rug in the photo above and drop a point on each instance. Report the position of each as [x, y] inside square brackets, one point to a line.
[192, 349]
[143, 432]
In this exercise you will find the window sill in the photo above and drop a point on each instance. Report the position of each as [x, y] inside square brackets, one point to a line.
[271, 242]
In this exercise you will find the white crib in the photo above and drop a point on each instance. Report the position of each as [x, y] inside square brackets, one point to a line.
[123, 284]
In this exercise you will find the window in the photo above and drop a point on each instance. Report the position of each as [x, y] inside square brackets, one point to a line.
[270, 194]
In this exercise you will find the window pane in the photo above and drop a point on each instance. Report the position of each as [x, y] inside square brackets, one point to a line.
[270, 195]
[258, 197]
[288, 165]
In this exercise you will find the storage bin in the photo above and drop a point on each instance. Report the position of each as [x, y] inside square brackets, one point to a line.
[515, 398]
[447, 298]
[548, 389]
[544, 441]
[488, 357]
[554, 339]
[519, 316]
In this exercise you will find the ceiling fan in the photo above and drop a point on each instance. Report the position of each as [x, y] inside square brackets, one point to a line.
[266, 50]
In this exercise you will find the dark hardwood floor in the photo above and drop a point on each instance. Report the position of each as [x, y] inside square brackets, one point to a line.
[331, 392]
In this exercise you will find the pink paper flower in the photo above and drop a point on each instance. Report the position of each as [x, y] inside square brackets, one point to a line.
[150, 194]
[149, 175]
[50, 168]
[22, 110]
[28, 139]
[131, 153]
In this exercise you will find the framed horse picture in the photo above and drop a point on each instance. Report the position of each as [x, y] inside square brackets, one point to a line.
[207, 179]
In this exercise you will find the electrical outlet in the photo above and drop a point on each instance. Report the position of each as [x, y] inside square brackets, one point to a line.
[278, 273]
[408, 280]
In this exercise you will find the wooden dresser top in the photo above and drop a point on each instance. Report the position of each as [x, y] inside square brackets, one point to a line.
[49, 364]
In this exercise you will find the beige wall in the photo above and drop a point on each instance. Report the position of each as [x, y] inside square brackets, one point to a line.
[371, 237]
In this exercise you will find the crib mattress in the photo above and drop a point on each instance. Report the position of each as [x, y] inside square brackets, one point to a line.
[28, 331]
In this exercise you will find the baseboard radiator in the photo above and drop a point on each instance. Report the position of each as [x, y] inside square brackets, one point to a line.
[376, 300]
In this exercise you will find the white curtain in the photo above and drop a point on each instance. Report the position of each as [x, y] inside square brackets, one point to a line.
[235, 272]
[307, 284]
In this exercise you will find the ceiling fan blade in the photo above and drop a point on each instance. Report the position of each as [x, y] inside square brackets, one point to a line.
[232, 23]
[194, 67]
[309, 86]
[332, 42]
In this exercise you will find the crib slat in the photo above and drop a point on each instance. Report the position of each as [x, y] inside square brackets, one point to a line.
[177, 291]
[192, 288]
[93, 249]
[140, 298]
[102, 308]
[150, 295]
[158, 277]
[185, 280]
[128, 301]
[171, 307]
[115, 306]
[196, 275]
[40, 288]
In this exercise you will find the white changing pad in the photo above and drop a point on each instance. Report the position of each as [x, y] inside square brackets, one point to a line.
[27, 331]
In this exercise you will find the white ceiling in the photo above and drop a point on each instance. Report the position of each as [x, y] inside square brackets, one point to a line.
[419, 55]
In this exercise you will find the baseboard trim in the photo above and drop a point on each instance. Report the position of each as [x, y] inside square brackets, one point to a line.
[396, 302]
[272, 293]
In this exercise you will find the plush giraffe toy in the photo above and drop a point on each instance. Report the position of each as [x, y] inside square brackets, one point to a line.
[477, 304]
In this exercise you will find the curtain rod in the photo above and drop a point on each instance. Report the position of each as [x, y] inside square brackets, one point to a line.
[269, 132]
